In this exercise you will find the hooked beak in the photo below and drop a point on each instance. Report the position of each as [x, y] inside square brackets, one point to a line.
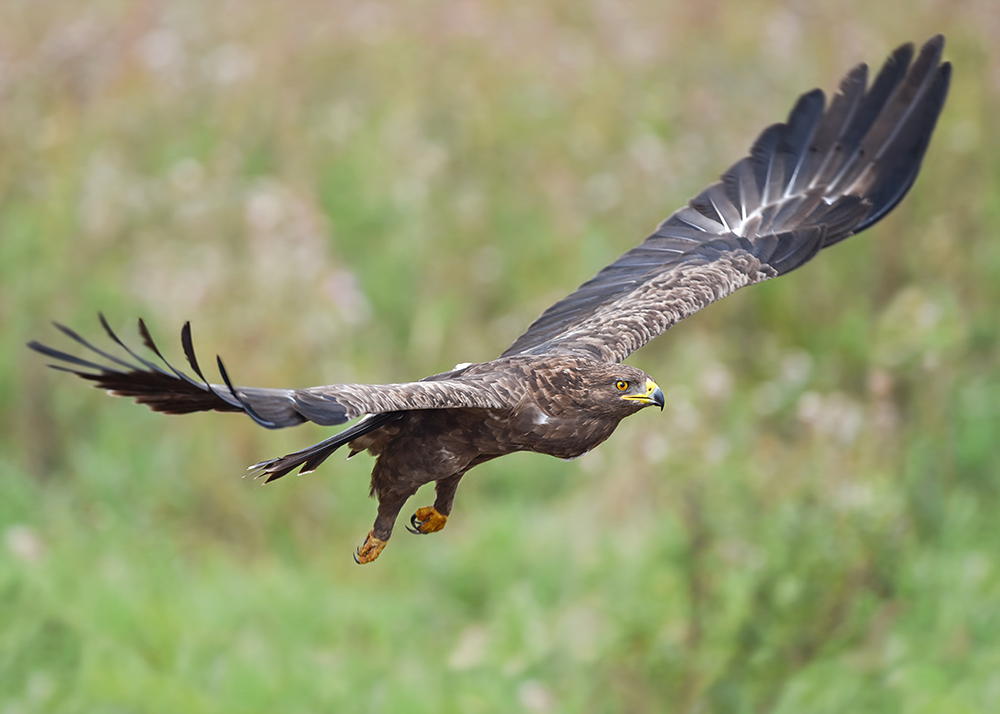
[653, 395]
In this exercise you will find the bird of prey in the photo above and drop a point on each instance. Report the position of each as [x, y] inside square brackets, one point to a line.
[828, 172]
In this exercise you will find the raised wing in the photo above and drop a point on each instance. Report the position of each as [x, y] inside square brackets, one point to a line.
[825, 174]
[167, 389]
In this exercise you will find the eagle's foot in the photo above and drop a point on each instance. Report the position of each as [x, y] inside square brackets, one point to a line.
[426, 520]
[369, 550]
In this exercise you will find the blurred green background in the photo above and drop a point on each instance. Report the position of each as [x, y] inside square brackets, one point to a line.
[374, 191]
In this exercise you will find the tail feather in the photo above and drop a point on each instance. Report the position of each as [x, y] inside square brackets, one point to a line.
[311, 457]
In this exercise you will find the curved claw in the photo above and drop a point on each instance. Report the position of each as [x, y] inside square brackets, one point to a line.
[369, 550]
[414, 526]
[427, 520]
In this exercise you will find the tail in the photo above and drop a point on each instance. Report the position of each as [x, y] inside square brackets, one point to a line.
[311, 457]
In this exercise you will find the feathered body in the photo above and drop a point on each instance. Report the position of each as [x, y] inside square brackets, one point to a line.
[828, 172]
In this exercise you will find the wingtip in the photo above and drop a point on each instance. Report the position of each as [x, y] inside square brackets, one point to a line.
[933, 49]
[937, 40]
[945, 72]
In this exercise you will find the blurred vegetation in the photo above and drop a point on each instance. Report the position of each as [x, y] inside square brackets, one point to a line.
[374, 191]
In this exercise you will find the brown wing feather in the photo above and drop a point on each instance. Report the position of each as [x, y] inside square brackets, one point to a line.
[820, 177]
[167, 389]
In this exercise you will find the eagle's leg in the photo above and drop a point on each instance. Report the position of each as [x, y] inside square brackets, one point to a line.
[431, 519]
[388, 509]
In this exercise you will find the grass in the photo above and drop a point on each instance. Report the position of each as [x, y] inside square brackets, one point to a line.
[373, 192]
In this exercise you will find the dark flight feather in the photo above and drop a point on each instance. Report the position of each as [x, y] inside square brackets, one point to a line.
[838, 170]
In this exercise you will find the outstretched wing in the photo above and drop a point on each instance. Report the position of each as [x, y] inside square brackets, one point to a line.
[167, 389]
[825, 174]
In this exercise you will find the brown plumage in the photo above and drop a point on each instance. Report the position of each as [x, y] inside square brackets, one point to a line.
[560, 388]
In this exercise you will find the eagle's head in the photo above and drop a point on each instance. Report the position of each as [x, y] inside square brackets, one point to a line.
[612, 390]
[633, 387]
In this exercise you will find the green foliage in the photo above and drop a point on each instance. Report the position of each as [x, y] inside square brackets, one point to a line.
[375, 191]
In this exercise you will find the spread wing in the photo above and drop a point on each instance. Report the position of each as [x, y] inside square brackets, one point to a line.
[825, 174]
[166, 389]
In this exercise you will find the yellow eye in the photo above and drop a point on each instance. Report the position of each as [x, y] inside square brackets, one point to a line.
[622, 385]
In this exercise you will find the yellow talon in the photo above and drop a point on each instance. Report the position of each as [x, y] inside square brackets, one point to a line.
[427, 520]
[369, 550]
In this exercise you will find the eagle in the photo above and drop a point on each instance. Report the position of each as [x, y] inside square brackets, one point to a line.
[828, 172]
